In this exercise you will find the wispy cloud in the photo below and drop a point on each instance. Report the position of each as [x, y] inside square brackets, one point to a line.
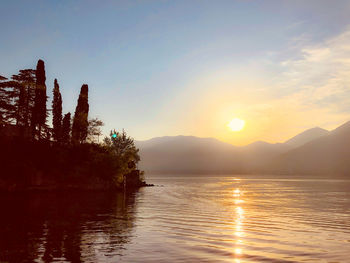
[321, 76]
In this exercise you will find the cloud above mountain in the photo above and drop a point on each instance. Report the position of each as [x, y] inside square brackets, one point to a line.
[320, 77]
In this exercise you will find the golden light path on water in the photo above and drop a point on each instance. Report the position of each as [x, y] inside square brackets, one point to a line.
[237, 194]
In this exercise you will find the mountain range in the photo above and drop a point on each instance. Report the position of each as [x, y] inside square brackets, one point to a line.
[314, 151]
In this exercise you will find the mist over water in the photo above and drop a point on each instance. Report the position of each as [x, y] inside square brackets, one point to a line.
[183, 219]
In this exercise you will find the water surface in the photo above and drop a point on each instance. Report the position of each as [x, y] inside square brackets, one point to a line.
[184, 219]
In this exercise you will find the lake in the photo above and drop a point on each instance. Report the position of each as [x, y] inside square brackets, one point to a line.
[183, 219]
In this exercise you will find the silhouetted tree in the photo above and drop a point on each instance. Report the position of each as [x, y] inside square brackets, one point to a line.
[123, 150]
[39, 111]
[94, 129]
[80, 121]
[9, 93]
[57, 112]
[66, 128]
[26, 84]
[16, 98]
[3, 101]
[122, 144]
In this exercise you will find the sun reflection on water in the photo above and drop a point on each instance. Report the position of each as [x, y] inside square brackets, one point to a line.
[238, 201]
[239, 211]
[238, 223]
[238, 251]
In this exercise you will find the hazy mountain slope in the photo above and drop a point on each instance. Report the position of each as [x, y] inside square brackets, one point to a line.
[306, 136]
[329, 154]
[261, 147]
[257, 154]
[192, 154]
[321, 151]
[187, 154]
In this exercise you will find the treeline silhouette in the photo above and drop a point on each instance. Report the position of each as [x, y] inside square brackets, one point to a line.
[66, 154]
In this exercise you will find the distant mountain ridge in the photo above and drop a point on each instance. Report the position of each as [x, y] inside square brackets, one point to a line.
[300, 154]
[329, 154]
[306, 136]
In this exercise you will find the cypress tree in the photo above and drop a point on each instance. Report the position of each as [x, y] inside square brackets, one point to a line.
[57, 112]
[66, 128]
[80, 121]
[39, 111]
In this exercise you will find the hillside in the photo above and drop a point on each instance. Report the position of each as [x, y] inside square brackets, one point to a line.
[328, 154]
[306, 136]
[313, 151]
[180, 154]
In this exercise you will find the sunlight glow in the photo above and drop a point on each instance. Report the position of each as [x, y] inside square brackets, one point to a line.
[238, 234]
[239, 210]
[238, 201]
[236, 193]
[236, 124]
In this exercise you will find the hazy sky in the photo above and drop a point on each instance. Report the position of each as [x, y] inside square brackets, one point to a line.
[188, 67]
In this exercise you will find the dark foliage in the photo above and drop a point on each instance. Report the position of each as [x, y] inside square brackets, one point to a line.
[30, 163]
[123, 148]
[80, 120]
[26, 80]
[57, 112]
[9, 99]
[5, 105]
[94, 130]
[17, 98]
[39, 111]
[66, 128]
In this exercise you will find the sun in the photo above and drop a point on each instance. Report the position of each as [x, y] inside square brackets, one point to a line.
[236, 124]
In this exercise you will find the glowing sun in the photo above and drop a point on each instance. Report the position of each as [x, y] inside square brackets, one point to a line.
[236, 124]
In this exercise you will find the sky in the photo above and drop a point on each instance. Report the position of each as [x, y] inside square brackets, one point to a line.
[163, 68]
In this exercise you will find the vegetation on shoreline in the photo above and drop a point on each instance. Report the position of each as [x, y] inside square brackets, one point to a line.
[65, 155]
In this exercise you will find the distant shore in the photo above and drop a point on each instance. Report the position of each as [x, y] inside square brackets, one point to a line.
[158, 174]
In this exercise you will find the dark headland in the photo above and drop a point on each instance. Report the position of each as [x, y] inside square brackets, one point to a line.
[65, 155]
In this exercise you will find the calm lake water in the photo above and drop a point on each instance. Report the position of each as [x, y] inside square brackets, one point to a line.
[184, 219]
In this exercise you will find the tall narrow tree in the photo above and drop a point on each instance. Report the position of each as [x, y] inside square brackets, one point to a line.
[57, 112]
[39, 111]
[80, 121]
[66, 128]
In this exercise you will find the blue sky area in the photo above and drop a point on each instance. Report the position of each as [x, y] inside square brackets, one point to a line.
[187, 67]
